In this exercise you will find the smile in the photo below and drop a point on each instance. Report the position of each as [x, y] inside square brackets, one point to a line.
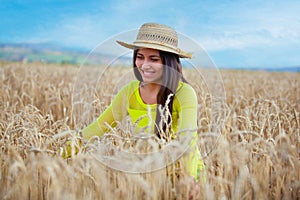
[147, 72]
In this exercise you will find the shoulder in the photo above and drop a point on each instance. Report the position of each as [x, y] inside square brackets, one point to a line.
[184, 89]
[127, 90]
[131, 86]
[185, 96]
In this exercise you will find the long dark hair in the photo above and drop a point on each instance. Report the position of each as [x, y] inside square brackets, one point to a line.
[172, 74]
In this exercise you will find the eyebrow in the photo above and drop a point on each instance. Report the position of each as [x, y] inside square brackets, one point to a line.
[151, 56]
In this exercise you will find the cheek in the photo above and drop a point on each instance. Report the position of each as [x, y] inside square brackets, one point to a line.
[138, 63]
[160, 68]
[162, 73]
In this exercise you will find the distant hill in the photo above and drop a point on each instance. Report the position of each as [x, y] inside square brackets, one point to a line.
[44, 52]
[52, 53]
[285, 69]
[270, 69]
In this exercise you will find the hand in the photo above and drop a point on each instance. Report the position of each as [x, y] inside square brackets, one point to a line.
[194, 192]
[71, 148]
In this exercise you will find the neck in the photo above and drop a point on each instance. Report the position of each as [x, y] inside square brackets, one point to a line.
[151, 87]
[149, 91]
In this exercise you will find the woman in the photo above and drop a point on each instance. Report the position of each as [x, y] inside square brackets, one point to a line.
[160, 89]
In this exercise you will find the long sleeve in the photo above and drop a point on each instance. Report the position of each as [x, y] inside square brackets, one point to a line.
[113, 113]
[99, 126]
[186, 104]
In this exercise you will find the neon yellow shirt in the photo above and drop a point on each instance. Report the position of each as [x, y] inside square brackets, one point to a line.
[129, 102]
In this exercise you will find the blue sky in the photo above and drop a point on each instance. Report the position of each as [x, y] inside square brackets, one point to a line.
[235, 33]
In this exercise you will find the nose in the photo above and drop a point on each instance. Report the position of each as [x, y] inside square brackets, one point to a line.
[145, 65]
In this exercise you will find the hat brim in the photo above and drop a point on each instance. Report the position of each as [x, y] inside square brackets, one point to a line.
[156, 46]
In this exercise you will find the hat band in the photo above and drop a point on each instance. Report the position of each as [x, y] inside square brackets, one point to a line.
[162, 44]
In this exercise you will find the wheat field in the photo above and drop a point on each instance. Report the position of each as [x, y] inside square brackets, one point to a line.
[255, 154]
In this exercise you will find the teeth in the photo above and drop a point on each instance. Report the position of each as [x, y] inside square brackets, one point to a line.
[147, 72]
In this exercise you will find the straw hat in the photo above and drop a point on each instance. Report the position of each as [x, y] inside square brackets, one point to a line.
[157, 36]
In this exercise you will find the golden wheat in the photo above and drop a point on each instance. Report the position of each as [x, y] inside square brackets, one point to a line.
[255, 154]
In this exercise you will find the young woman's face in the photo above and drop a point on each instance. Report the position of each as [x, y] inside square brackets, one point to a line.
[149, 64]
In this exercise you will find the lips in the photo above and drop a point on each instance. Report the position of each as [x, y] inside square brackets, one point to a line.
[147, 72]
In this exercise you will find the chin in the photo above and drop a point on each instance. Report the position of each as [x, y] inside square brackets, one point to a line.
[151, 81]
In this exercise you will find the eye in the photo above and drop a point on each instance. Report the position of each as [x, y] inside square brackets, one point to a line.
[155, 59]
[139, 56]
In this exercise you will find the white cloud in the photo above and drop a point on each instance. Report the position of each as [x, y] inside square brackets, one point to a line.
[277, 25]
[242, 24]
[240, 40]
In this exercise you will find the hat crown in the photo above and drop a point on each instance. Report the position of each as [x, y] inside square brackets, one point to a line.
[159, 37]
[157, 33]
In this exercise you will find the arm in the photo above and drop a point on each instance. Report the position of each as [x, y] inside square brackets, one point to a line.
[187, 104]
[99, 126]
[115, 112]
